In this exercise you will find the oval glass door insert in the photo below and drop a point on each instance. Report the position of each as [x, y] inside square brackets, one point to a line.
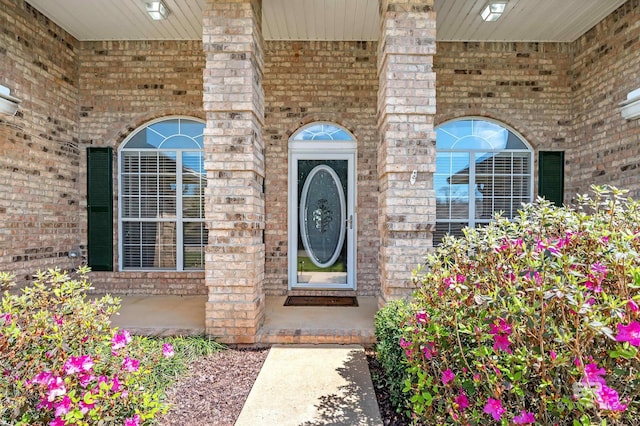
[322, 216]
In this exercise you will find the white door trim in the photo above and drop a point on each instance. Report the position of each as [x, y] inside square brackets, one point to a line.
[309, 150]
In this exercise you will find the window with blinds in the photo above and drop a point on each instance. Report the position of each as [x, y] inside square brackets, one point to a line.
[161, 209]
[481, 168]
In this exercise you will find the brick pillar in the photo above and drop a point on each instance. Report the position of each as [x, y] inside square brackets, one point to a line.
[234, 160]
[406, 110]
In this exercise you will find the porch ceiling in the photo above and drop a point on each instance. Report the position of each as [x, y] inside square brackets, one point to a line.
[457, 20]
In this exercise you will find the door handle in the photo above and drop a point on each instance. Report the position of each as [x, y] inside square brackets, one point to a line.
[350, 221]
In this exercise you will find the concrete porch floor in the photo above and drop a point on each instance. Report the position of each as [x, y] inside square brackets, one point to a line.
[184, 315]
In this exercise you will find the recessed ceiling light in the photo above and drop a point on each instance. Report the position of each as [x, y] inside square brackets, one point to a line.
[493, 10]
[157, 10]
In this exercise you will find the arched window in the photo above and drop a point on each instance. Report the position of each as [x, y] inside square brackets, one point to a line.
[482, 167]
[161, 207]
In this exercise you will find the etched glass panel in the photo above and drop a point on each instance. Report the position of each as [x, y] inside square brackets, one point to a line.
[322, 132]
[322, 223]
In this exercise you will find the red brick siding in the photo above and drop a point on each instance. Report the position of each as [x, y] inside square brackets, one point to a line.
[605, 69]
[320, 81]
[523, 85]
[39, 153]
[123, 85]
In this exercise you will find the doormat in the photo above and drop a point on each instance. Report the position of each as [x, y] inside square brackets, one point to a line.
[321, 301]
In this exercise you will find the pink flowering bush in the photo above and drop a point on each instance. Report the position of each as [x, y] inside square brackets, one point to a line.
[530, 321]
[62, 364]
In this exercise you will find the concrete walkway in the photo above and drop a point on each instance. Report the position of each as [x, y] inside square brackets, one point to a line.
[302, 385]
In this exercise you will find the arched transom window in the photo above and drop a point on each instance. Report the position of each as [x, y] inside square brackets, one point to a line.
[482, 167]
[322, 132]
[161, 208]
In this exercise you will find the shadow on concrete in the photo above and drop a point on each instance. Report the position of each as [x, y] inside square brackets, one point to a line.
[355, 404]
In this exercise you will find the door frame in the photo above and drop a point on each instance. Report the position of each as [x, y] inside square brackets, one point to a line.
[321, 150]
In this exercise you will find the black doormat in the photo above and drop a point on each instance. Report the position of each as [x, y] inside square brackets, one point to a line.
[321, 301]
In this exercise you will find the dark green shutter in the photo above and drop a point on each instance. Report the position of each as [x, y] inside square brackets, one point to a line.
[551, 176]
[100, 209]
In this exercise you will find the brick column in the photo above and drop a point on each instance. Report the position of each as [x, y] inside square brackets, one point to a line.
[406, 110]
[234, 160]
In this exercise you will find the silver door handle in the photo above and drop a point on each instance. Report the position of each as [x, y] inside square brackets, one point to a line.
[350, 221]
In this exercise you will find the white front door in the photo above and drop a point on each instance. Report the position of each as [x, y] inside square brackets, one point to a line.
[322, 219]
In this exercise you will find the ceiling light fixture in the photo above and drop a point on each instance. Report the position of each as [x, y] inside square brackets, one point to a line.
[493, 10]
[157, 10]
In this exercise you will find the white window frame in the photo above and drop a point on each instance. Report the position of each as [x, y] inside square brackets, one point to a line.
[471, 221]
[179, 220]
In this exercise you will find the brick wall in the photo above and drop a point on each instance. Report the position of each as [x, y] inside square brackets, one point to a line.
[306, 81]
[39, 153]
[526, 86]
[605, 69]
[123, 85]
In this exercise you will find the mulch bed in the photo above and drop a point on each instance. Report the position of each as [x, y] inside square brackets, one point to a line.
[213, 391]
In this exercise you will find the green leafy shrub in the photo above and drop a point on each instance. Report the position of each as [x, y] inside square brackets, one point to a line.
[61, 362]
[388, 327]
[533, 320]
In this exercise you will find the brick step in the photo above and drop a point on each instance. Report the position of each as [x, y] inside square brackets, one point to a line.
[365, 337]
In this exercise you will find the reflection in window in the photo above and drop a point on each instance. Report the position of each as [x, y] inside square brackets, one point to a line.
[481, 168]
[162, 183]
[322, 132]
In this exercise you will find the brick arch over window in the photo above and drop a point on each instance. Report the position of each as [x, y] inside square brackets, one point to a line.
[482, 168]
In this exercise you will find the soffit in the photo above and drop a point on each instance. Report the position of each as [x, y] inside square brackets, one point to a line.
[457, 20]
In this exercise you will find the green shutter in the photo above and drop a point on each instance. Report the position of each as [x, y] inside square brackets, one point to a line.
[100, 209]
[551, 176]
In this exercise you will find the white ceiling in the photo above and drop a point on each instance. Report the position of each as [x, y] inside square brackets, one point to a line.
[457, 20]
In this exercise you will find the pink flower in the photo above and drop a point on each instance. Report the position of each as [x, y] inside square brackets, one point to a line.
[598, 268]
[57, 319]
[131, 365]
[6, 318]
[462, 401]
[78, 364]
[633, 306]
[494, 407]
[45, 404]
[57, 422]
[120, 340]
[56, 388]
[404, 343]
[447, 376]
[593, 284]
[524, 418]
[608, 399]
[553, 355]
[502, 327]
[85, 408]
[593, 374]
[428, 351]
[167, 350]
[42, 378]
[132, 421]
[502, 343]
[63, 406]
[460, 278]
[629, 333]
[115, 384]
[422, 317]
[448, 282]
[85, 379]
